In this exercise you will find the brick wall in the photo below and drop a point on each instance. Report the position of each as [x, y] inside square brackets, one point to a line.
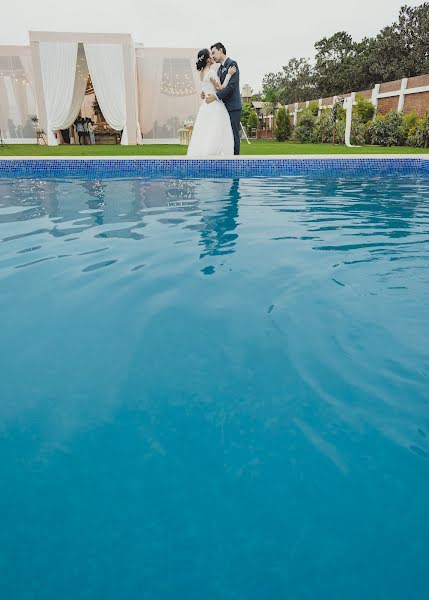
[418, 102]
[366, 94]
[418, 81]
[390, 86]
[386, 104]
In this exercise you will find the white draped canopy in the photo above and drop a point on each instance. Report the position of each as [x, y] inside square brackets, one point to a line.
[17, 103]
[58, 63]
[168, 86]
[65, 72]
[106, 65]
[80, 81]
[50, 81]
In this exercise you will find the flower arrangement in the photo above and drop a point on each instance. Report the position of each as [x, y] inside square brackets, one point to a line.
[36, 125]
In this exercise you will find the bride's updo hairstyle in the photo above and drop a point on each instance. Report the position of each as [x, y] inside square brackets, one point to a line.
[203, 56]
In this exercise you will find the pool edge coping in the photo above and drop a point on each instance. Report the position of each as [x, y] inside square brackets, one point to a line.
[276, 157]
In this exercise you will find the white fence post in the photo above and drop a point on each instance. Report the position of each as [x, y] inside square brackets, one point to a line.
[295, 114]
[374, 96]
[401, 98]
[319, 112]
[348, 105]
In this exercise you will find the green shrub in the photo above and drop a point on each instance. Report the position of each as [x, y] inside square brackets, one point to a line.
[249, 118]
[412, 128]
[304, 130]
[414, 137]
[364, 109]
[323, 128]
[252, 122]
[341, 131]
[409, 123]
[341, 113]
[385, 130]
[338, 117]
[320, 130]
[314, 108]
[419, 134]
[282, 129]
[245, 113]
[359, 132]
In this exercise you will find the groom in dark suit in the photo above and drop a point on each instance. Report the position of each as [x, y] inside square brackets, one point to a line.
[231, 93]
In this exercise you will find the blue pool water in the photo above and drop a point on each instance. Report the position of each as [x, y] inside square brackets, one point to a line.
[214, 389]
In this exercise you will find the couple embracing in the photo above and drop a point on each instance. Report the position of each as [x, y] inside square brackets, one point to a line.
[217, 126]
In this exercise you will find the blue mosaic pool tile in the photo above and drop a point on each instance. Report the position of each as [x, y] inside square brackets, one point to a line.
[170, 167]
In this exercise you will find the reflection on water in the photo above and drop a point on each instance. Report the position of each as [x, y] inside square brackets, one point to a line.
[357, 209]
[229, 374]
[218, 235]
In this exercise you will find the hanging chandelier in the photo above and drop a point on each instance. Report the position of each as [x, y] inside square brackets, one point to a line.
[177, 78]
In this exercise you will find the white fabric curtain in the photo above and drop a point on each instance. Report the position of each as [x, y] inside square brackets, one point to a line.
[27, 66]
[149, 77]
[20, 95]
[162, 113]
[16, 98]
[80, 81]
[106, 65]
[4, 109]
[58, 62]
[15, 114]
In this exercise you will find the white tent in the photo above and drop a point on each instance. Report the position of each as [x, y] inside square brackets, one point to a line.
[62, 62]
[146, 93]
[17, 101]
[168, 91]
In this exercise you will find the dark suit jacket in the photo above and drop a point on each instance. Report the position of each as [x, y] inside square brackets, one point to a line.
[231, 94]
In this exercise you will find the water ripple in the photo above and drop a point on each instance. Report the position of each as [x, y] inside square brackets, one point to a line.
[233, 368]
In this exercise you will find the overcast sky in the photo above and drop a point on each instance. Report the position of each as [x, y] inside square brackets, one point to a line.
[261, 36]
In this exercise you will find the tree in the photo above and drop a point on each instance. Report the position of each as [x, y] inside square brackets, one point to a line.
[249, 118]
[282, 130]
[295, 83]
[305, 129]
[271, 100]
[245, 113]
[334, 63]
[343, 65]
[401, 49]
[252, 122]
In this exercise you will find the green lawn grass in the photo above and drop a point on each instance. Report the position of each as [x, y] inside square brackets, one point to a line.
[258, 147]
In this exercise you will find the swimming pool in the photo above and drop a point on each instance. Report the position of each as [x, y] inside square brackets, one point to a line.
[214, 387]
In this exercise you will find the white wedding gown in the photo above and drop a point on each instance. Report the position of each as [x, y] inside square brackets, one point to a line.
[212, 133]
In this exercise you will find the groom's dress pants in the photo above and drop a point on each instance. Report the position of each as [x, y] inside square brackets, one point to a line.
[235, 116]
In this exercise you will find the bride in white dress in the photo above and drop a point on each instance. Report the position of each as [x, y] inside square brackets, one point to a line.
[212, 134]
